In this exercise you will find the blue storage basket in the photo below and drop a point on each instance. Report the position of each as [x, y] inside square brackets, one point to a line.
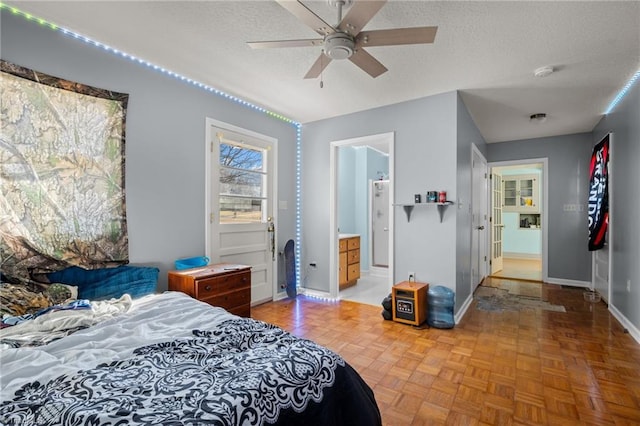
[192, 262]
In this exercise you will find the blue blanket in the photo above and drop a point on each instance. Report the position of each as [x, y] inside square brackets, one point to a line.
[107, 283]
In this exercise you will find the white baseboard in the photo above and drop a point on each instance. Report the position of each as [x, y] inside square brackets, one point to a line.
[573, 283]
[280, 295]
[632, 329]
[514, 255]
[463, 309]
[376, 271]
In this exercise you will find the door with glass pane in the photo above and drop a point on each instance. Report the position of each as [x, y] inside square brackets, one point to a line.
[496, 222]
[243, 226]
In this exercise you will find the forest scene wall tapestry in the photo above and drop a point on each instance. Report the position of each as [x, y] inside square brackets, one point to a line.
[62, 160]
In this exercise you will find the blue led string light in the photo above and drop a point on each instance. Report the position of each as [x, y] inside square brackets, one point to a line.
[298, 201]
[208, 88]
[141, 61]
[622, 92]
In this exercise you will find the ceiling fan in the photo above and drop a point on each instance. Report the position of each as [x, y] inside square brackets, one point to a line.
[346, 40]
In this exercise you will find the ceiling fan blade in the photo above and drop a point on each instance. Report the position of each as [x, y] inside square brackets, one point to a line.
[318, 66]
[368, 63]
[305, 14]
[398, 36]
[359, 15]
[284, 43]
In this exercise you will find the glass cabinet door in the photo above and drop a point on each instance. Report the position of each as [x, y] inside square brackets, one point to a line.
[510, 193]
[520, 193]
[526, 193]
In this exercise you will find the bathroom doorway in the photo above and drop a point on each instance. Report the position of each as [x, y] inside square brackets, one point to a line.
[362, 168]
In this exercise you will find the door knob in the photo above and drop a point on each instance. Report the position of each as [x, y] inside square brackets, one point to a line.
[480, 228]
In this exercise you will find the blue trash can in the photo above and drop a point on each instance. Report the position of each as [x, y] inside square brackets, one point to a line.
[440, 306]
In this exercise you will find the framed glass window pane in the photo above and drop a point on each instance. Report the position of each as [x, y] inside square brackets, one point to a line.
[241, 157]
[241, 209]
[241, 182]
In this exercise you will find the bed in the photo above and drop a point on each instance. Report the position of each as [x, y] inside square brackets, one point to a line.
[172, 360]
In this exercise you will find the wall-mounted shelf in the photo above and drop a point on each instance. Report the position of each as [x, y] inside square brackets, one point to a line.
[408, 208]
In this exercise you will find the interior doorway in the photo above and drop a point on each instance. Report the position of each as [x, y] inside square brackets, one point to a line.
[518, 219]
[360, 168]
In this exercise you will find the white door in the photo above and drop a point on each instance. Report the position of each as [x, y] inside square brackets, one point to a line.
[242, 204]
[496, 223]
[478, 219]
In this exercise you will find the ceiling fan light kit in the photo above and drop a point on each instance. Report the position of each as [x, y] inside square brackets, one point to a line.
[543, 71]
[339, 46]
[346, 40]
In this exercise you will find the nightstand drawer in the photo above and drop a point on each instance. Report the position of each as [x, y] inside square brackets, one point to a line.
[208, 287]
[230, 300]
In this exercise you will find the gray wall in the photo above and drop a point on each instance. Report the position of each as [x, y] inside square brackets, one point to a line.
[624, 122]
[467, 134]
[568, 162]
[165, 142]
[425, 159]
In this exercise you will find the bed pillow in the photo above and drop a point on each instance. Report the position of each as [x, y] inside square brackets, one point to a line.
[108, 283]
[59, 294]
[20, 299]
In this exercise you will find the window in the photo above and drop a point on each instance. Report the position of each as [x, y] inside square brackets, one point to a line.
[242, 183]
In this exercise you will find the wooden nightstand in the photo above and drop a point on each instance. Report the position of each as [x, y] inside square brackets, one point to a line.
[225, 285]
[409, 301]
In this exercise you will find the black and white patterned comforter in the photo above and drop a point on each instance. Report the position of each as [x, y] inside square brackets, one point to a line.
[236, 372]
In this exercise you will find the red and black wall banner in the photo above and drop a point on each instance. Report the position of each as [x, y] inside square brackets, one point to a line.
[599, 194]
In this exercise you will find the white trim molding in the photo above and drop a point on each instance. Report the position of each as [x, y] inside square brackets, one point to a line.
[573, 283]
[628, 325]
[463, 309]
[526, 256]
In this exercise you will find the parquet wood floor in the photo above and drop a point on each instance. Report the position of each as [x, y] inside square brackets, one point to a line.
[530, 367]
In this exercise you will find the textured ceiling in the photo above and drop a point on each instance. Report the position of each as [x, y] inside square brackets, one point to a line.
[487, 50]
